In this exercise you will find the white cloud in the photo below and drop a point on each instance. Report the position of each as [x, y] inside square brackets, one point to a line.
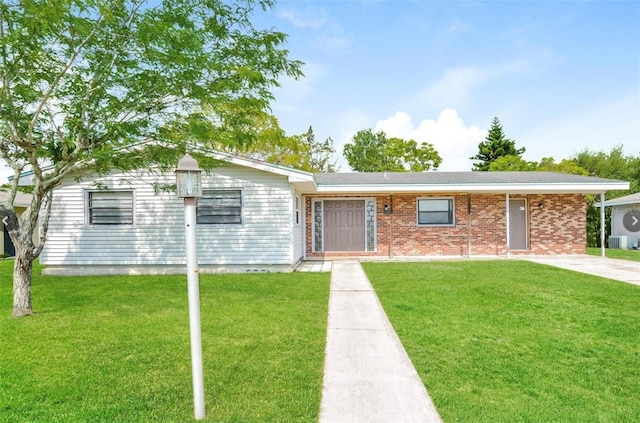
[305, 18]
[454, 141]
[457, 84]
[319, 27]
[332, 42]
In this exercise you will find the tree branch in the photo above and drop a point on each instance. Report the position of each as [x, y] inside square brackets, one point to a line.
[54, 84]
[48, 200]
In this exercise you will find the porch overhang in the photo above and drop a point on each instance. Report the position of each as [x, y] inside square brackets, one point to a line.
[515, 188]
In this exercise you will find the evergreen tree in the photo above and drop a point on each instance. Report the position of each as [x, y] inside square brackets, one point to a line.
[495, 145]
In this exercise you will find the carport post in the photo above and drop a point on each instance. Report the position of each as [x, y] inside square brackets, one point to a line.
[508, 228]
[602, 224]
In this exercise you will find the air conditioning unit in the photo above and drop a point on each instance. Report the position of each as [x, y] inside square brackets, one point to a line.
[619, 241]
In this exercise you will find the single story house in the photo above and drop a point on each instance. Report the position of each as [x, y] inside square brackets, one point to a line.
[20, 204]
[624, 236]
[260, 217]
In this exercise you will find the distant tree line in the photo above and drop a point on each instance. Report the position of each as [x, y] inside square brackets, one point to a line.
[498, 153]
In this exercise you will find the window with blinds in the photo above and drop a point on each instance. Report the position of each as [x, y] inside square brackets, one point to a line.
[109, 208]
[220, 207]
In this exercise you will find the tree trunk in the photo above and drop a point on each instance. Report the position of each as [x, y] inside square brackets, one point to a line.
[22, 268]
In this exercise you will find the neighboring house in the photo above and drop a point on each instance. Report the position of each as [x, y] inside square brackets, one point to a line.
[258, 217]
[621, 237]
[20, 204]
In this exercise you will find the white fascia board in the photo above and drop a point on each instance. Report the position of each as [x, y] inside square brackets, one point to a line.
[581, 188]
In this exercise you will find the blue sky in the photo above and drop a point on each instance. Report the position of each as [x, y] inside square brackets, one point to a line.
[562, 76]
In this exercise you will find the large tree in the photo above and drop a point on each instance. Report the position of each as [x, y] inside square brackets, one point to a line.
[546, 164]
[512, 163]
[494, 146]
[614, 164]
[373, 152]
[274, 146]
[321, 153]
[83, 82]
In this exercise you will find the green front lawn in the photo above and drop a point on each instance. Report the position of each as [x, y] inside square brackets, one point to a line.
[117, 349]
[616, 253]
[506, 341]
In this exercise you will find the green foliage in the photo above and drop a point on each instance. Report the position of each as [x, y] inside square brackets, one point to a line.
[83, 80]
[272, 145]
[614, 164]
[569, 166]
[83, 84]
[633, 255]
[304, 152]
[511, 164]
[116, 349]
[321, 153]
[506, 341]
[547, 164]
[374, 152]
[494, 146]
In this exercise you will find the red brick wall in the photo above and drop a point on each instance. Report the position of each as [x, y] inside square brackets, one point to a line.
[559, 227]
[409, 239]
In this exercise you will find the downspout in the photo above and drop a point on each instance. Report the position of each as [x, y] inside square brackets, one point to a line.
[468, 225]
[602, 223]
[507, 214]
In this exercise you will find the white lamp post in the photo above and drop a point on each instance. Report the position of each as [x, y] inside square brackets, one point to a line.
[189, 187]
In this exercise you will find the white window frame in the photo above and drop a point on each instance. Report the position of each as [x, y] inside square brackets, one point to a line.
[296, 209]
[87, 209]
[242, 206]
[453, 212]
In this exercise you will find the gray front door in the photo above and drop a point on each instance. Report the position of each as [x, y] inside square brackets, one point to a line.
[518, 224]
[344, 225]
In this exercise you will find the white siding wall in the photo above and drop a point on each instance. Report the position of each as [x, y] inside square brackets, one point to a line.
[157, 237]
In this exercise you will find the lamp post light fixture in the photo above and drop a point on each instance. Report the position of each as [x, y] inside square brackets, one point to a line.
[189, 187]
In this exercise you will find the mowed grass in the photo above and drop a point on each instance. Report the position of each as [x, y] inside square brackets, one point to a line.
[512, 341]
[616, 253]
[117, 349]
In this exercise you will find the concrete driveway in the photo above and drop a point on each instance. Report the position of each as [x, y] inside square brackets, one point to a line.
[622, 270]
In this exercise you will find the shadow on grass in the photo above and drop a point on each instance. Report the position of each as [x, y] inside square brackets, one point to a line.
[116, 349]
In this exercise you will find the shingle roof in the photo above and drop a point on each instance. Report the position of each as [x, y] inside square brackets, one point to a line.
[481, 182]
[454, 178]
[620, 201]
[21, 200]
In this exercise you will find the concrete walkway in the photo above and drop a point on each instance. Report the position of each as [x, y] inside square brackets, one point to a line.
[621, 270]
[368, 376]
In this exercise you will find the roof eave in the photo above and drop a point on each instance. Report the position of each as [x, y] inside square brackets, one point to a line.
[540, 188]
